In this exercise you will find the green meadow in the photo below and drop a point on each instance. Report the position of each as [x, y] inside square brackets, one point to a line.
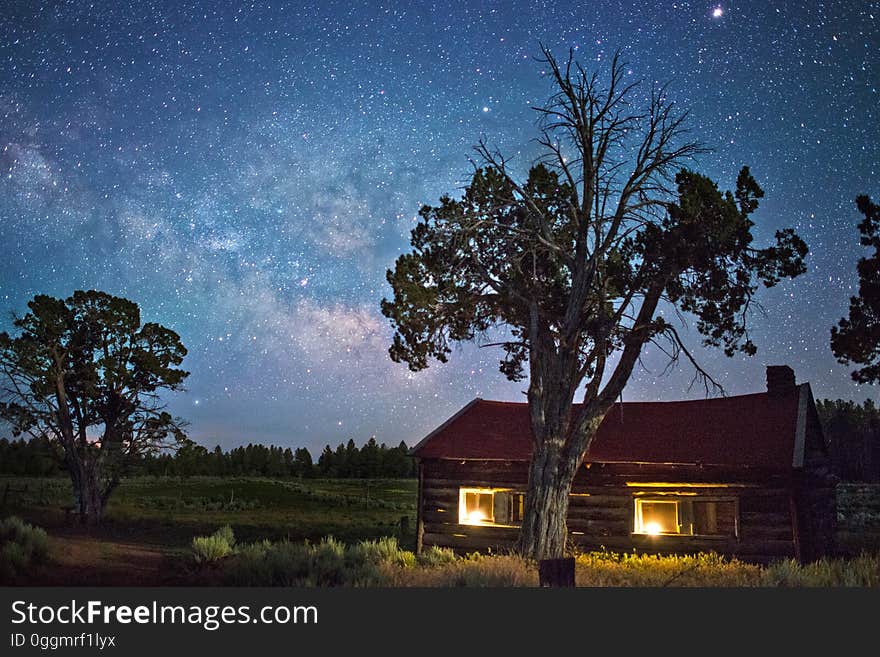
[150, 522]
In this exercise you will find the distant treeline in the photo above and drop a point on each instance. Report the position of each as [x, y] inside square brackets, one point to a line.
[39, 457]
[852, 431]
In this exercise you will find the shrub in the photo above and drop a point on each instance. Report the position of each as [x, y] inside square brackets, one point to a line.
[436, 556]
[226, 533]
[14, 560]
[385, 550]
[21, 545]
[327, 563]
[210, 549]
[265, 564]
[863, 570]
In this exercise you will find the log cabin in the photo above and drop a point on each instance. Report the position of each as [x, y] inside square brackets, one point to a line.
[746, 476]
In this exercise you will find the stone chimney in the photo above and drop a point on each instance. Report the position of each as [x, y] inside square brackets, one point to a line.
[780, 379]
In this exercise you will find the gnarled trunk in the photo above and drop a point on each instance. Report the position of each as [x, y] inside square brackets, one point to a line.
[561, 438]
[90, 497]
[544, 531]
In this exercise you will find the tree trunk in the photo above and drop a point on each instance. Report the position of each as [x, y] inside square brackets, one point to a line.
[544, 531]
[89, 496]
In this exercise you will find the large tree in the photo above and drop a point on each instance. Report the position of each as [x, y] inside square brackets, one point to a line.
[856, 339]
[578, 263]
[86, 373]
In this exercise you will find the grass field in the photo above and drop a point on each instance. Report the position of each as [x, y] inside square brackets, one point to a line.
[150, 522]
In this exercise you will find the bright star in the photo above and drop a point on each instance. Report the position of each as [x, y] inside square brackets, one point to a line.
[485, 109]
[718, 12]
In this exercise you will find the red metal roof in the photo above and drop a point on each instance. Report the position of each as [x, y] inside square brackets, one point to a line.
[749, 430]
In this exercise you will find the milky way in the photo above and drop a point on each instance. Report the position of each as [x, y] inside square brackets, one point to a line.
[247, 173]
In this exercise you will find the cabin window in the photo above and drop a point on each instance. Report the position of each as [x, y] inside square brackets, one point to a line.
[691, 516]
[490, 506]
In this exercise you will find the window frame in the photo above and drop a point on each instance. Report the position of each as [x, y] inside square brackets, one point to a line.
[678, 500]
[464, 491]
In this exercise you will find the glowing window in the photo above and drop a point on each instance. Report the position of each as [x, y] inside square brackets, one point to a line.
[490, 506]
[686, 516]
[657, 517]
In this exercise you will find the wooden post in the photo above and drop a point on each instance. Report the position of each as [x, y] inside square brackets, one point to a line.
[556, 573]
[420, 523]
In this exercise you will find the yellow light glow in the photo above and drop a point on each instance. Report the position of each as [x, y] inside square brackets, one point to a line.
[653, 528]
[476, 516]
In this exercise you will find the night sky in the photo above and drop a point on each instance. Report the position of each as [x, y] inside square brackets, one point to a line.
[247, 172]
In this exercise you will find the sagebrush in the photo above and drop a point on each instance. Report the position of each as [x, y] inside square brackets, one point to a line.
[21, 546]
[382, 562]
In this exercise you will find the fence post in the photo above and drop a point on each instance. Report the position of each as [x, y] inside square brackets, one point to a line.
[556, 573]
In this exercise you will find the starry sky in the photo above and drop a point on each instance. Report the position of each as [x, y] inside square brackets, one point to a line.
[247, 172]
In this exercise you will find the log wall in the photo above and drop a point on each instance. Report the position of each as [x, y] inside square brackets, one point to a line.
[815, 498]
[601, 507]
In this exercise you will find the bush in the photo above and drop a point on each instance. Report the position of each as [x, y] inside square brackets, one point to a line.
[436, 556]
[14, 560]
[385, 550]
[21, 546]
[328, 563]
[863, 570]
[210, 549]
[225, 533]
[265, 564]
[292, 564]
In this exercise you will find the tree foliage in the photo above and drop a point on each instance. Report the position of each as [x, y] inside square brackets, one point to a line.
[856, 338]
[578, 263]
[852, 432]
[85, 372]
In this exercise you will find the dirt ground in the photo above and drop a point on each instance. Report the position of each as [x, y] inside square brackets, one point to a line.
[81, 556]
[90, 561]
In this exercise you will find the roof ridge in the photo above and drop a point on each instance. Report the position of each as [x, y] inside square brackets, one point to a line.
[503, 402]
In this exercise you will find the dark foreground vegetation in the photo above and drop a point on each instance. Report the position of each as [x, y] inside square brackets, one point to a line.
[219, 559]
[26, 556]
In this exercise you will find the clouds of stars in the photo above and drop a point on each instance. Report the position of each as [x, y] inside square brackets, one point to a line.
[248, 173]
